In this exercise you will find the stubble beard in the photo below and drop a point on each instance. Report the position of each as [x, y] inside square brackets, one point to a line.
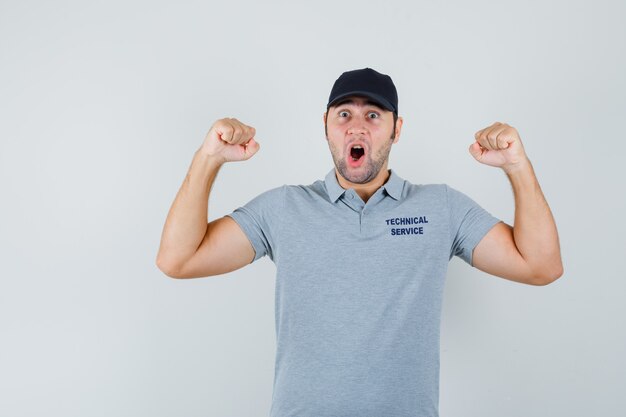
[368, 171]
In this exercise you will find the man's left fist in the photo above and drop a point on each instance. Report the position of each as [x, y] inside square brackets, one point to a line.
[498, 145]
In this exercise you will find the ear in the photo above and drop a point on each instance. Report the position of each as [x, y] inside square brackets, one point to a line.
[324, 118]
[398, 129]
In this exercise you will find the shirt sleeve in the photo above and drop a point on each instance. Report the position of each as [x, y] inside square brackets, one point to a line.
[260, 221]
[469, 223]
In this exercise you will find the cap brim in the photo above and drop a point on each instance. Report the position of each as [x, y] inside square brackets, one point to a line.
[375, 97]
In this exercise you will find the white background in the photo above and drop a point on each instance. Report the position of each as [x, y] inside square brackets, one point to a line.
[102, 105]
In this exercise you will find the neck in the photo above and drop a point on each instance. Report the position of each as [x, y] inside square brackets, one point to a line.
[365, 191]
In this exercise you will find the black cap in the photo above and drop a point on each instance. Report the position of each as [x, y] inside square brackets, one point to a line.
[368, 83]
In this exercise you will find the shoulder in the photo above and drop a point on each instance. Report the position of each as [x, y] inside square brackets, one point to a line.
[272, 193]
[305, 191]
[265, 201]
[457, 197]
[290, 193]
[439, 195]
[430, 191]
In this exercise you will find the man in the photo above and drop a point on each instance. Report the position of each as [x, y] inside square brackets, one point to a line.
[361, 256]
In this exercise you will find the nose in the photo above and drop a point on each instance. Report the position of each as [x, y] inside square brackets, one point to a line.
[356, 128]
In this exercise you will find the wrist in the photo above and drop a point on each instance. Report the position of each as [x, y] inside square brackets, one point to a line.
[209, 158]
[522, 166]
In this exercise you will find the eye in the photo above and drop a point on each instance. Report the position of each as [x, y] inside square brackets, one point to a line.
[373, 115]
[342, 113]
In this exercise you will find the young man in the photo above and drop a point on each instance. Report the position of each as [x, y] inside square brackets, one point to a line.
[361, 256]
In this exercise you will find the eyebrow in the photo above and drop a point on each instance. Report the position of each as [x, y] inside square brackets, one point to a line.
[350, 101]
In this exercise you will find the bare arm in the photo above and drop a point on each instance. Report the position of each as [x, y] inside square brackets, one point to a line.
[191, 247]
[528, 252]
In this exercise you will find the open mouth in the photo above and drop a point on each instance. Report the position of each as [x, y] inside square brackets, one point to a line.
[357, 152]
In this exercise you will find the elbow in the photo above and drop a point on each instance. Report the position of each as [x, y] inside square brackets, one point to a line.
[168, 269]
[548, 276]
[171, 274]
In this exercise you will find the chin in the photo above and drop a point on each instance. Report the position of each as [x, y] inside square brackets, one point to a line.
[362, 175]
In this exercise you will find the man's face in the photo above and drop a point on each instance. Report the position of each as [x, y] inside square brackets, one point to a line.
[357, 121]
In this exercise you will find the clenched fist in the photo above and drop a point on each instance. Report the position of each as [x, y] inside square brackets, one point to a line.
[230, 140]
[499, 145]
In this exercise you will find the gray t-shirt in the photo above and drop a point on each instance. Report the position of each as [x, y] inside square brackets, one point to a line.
[359, 290]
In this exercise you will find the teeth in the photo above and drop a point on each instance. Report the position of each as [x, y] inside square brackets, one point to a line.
[357, 147]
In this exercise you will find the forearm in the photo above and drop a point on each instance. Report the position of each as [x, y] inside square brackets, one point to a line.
[534, 229]
[186, 222]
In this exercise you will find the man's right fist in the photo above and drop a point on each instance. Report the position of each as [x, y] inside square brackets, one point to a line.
[230, 140]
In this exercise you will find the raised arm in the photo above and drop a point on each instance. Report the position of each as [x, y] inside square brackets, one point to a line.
[529, 251]
[190, 247]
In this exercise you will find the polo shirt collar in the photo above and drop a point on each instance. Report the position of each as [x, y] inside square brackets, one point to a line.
[393, 186]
